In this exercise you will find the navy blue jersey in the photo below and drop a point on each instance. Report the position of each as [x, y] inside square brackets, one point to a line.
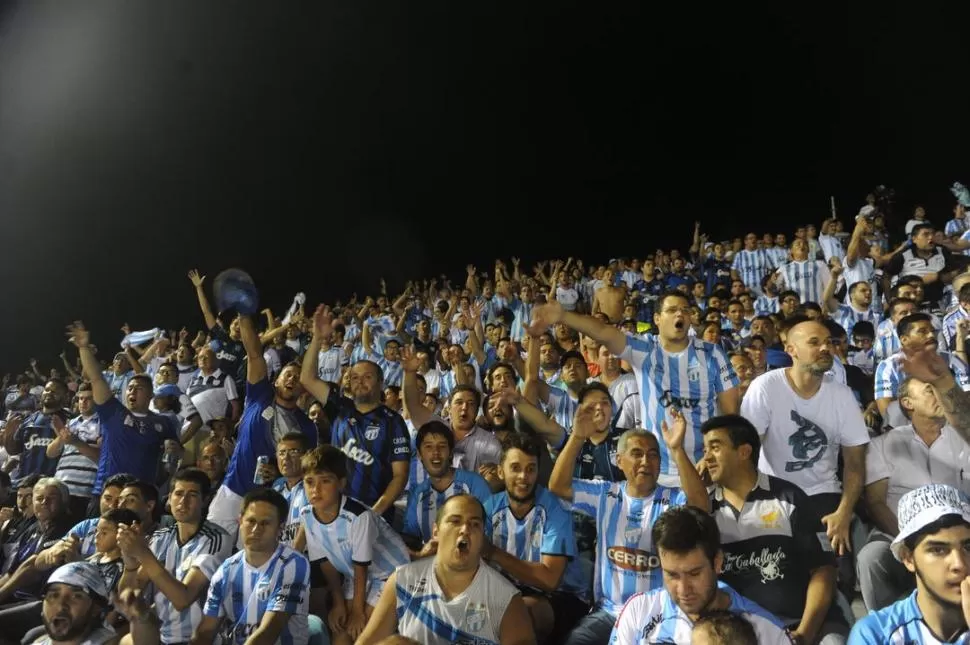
[130, 443]
[231, 355]
[32, 438]
[371, 442]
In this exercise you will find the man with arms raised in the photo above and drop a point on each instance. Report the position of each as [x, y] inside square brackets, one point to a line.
[672, 371]
[271, 412]
[626, 561]
[453, 597]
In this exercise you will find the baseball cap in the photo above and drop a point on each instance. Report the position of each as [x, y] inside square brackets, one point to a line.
[168, 390]
[83, 575]
[921, 507]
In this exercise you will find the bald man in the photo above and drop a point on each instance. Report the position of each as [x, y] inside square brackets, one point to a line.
[806, 419]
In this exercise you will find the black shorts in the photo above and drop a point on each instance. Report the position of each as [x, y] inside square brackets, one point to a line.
[317, 581]
[568, 610]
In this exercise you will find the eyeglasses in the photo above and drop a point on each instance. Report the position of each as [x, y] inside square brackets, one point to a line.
[290, 452]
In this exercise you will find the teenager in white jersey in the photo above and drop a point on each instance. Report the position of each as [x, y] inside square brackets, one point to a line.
[260, 595]
[672, 370]
[934, 544]
[178, 560]
[346, 538]
[626, 561]
[689, 547]
[453, 597]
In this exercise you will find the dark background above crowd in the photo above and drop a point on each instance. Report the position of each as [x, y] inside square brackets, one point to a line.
[327, 146]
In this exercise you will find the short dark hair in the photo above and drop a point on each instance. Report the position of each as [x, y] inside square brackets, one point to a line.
[589, 388]
[905, 325]
[325, 459]
[739, 430]
[572, 354]
[435, 428]
[298, 437]
[269, 496]
[809, 306]
[143, 377]
[670, 294]
[520, 441]
[119, 480]
[121, 516]
[149, 492]
[728, 627]
[29, 481]
[918, 228]
[964, 294]
[895, 302]
[466, 388]
[681, 529]
[864, 328]
[441, 509]
[85, 386]
[835, 329]
[196, 476]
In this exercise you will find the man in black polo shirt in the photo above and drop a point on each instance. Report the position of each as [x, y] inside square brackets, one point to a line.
[775, 548]
[923, 258]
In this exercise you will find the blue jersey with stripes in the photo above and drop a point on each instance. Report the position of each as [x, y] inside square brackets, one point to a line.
[356, 536]
[424, 501]
[751, 266]
[297, 500]
[901, 623]
[847, 316]
[241, 594]
[262, 425]
[626, 561]
[655, 618]
[85, 530]
[521, 314]
[689, 380]
[806, 278]
[372, 442]
[547, 529]
[205, 551]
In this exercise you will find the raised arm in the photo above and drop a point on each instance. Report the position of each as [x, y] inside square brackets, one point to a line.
[309, 378]
[197, 282]
[544, 316]
[410, 395]
[255, 363]
[81, 339]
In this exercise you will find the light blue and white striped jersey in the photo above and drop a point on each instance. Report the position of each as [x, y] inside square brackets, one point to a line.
[955, 227]
[491, 308]
[547, 529]
[831, 247]
[85, 530]
[950, 326]
[777, 256]
[966, 238]
[847, 316]
[329, 363]
[751, 266]
[689, 380]
[901, 623]
[356, 536]
[297, 499]
[561, 406]
[447, 381]
[393, 370]
[807, 278]
[889, 374]
[887, 342]
[424, 501]
[521, 314]
[765, 305]
[655, 618]
[205, 551]
[626, 561]
[74, 469]
[241, 594]
[862, 270]
[473, 616]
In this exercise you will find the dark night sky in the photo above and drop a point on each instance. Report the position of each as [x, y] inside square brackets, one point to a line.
[140, 139]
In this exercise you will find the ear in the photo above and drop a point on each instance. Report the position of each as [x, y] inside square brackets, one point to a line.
[718, 561]
[907, 557]
[434, 531]
[745, 451]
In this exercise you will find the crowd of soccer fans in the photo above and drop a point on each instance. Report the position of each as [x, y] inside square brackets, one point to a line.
[731, 442]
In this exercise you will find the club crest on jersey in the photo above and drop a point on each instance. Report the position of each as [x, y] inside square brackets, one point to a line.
[693, 374]
[372, 432]
[263, 590]
[475, 616]
[632, 535]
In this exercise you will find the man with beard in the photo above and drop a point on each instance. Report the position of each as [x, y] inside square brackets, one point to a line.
[688, 544]
[802, 414]
[374, 438]
[435, 443]
[178, 560]
[270, 413]
[933, 539]
[29, 437]
[75, 601]
[453, 597]
[532, 541]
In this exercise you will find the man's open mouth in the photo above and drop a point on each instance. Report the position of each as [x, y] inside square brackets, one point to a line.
[462, 545]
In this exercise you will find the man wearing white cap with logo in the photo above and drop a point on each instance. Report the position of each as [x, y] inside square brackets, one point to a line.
[933, 543]
[72, 617]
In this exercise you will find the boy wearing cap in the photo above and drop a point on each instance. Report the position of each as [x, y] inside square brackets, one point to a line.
[75, 617]
[934, 544]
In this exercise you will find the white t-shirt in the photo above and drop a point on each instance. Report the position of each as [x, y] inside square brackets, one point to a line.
[567, 297]
[800, 438]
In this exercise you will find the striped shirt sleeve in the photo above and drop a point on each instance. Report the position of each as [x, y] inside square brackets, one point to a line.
[292, 586]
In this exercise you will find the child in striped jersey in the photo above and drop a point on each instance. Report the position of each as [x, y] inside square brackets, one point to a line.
[345, 537]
